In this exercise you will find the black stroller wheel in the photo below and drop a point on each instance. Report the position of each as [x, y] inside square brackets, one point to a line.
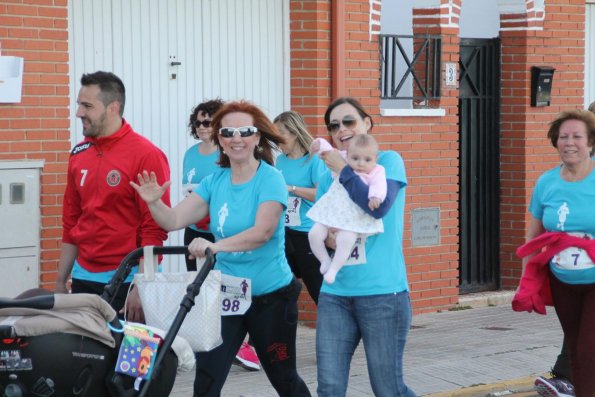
[57, 364]
[72, 364]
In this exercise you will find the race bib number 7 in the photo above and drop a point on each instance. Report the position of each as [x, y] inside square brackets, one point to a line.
[236, 295]
[574, 258]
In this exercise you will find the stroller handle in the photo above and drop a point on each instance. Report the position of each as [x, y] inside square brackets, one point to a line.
[186, 304]
[192, 291]
[42, 302]
[131, 260]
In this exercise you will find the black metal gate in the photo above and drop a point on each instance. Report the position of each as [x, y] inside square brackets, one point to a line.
[479, 134]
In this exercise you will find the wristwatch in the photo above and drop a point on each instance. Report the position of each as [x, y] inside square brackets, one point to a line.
[292, 188]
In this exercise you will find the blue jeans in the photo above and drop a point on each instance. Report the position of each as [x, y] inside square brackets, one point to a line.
[382, 321]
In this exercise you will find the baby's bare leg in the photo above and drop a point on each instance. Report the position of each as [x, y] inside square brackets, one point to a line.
[316, 237]
[345, 242]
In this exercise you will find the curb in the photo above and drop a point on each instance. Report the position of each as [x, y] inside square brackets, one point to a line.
[491, 298]
[520, 385]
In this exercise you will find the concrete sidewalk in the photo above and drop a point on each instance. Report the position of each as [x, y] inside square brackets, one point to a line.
[488, 351]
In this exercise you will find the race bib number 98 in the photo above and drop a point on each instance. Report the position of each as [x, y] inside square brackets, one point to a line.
[236, 295]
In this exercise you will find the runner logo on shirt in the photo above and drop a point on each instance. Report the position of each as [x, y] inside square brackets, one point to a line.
[190, 175]
[563, 212]
[113, 178]
[223, 213]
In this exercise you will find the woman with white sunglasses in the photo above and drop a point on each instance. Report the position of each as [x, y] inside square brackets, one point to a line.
[246, 199]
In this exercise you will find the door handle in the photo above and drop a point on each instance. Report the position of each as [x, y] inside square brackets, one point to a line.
[175, 63]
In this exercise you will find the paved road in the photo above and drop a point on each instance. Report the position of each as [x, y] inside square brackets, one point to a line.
[490, 351]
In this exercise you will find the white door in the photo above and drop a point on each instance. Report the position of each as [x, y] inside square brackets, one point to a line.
[589, 52]
[172, 55]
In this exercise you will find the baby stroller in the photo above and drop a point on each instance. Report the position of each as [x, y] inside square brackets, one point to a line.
[45, 355]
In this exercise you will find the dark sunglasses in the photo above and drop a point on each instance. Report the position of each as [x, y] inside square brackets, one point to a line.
[198, 123]
[229, 132]
[334, 126]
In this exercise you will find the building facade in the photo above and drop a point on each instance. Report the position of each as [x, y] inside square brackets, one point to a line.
[463, 118]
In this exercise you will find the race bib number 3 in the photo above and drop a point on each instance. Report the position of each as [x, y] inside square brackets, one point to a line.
[292, 214]
[236, 295]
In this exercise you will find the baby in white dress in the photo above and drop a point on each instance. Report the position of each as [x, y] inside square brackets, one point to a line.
[336, 210]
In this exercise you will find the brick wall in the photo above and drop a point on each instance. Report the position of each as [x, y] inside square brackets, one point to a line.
[37, 127]
[310, 46]
[429, 146]
[525, 151]
[431, 151]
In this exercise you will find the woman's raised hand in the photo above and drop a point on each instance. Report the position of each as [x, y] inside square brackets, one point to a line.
[148, 188]
[333, 160]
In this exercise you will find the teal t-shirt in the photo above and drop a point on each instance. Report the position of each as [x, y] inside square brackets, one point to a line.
[80, 273]
[303, 172]
[233, 209]
[384, 270]
[196, 166]
[564, 206]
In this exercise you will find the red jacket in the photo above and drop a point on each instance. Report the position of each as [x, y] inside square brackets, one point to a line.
[102, 214]
[534, 290]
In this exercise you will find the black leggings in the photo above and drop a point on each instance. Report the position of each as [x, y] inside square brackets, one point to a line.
[562, 366]
[575, 307]
[272, 324]
[302, 261]
[189, 235]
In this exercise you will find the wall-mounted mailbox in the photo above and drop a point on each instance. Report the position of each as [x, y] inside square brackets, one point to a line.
[541, 85]
[11, 79]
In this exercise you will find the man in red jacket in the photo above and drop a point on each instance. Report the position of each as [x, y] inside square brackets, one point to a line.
[103, 217]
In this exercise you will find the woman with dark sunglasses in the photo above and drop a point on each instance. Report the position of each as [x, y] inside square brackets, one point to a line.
[200, 160]
[246, 198]
[369, 300]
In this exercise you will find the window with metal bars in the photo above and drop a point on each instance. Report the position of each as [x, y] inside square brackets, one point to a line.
[410, 69]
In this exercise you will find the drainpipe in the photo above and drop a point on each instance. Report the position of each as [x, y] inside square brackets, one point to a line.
[338, 16]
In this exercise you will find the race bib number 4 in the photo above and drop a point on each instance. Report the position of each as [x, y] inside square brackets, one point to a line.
[358, 252]
[236, 295]
[292, 214]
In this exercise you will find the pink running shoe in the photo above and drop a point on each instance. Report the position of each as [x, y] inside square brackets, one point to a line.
[553, 387]
[247, 358]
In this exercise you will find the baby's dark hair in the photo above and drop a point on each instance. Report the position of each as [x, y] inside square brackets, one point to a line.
[363, 140]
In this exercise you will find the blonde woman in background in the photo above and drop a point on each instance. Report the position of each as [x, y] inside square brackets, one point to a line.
[301, 171]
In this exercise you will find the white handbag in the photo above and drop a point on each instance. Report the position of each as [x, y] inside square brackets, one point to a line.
[162, 293]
